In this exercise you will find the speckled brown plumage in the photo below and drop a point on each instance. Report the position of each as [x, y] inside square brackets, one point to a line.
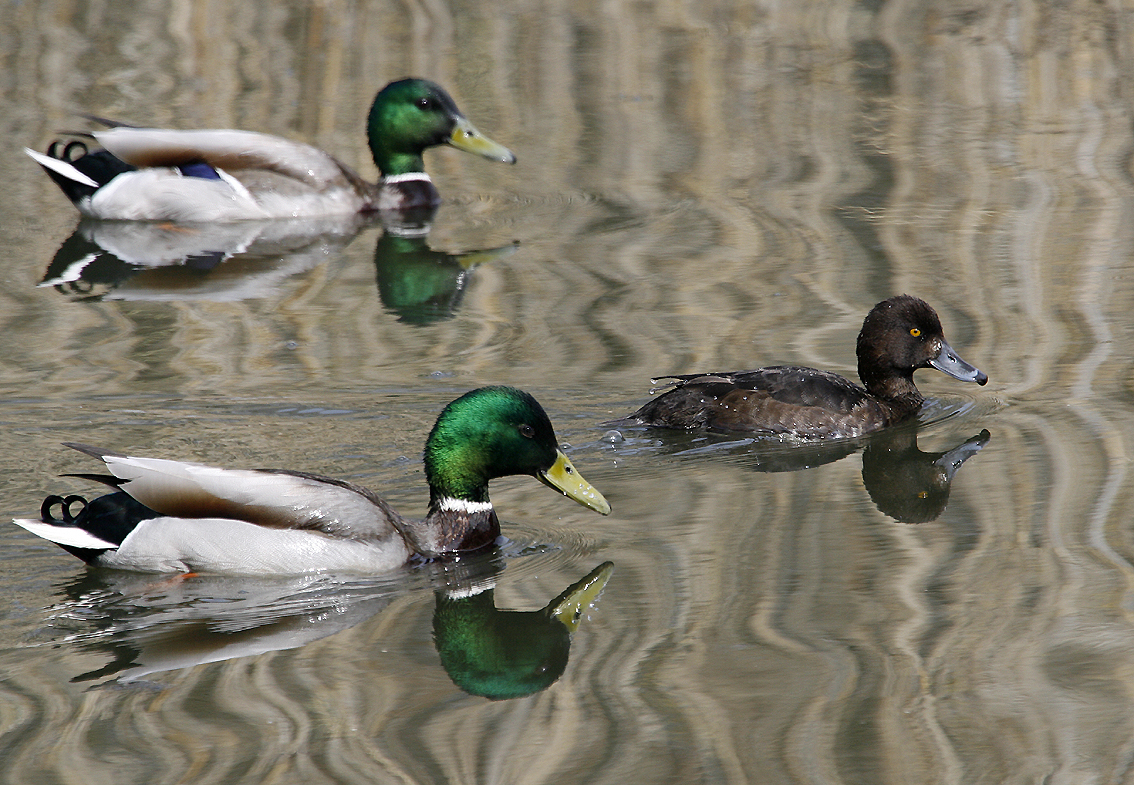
[898, 336]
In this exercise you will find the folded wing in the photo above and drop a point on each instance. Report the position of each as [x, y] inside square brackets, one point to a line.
[233, 151]
[275, 499]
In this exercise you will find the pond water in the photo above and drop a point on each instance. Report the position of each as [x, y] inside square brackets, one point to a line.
[700, 187]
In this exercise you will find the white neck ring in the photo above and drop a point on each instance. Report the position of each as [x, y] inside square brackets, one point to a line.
[449, 504]
[406, 178]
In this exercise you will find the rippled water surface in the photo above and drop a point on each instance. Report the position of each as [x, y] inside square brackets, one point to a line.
[700, 187]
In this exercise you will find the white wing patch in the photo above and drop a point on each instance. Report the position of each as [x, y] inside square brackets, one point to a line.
[155, 479]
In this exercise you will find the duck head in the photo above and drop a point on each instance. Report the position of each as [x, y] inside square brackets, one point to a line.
[494, 432]
[900, 335]
[410, 115]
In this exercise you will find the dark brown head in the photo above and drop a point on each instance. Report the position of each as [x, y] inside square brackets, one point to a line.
[899, 336]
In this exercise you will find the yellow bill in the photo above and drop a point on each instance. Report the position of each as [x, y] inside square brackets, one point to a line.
[570, 606]
[471, 259]
[466, 137]
[563, 477]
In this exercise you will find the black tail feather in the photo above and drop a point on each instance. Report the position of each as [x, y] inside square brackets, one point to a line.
[94, 452]
[94, 118]
[105, 479]
[64, 508]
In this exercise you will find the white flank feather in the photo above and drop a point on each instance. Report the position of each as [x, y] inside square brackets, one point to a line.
[164, 194]
[64, 535]
[235, 547]
[61, 168]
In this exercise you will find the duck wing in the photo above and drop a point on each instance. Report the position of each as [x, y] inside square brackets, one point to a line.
[787, 384]
[233, 151]
[775, 400]
[274, 499]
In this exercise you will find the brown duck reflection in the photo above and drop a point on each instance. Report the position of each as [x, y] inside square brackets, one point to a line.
[904, 483]
[151, 624]
[907, 484]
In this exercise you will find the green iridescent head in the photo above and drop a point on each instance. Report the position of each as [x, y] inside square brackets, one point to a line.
[509, 654]
[494, 432]
[410, 115]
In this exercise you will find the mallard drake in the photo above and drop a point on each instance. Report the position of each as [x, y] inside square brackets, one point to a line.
[151, 174]
[898, 336]
[175, 516]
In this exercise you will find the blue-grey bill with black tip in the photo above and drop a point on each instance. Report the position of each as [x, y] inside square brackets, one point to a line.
[950, 463]
[948, 361]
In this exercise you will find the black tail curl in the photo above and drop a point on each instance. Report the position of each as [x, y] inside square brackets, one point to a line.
[98, 165]
[64, 508]
[110, 518]
[65, 150]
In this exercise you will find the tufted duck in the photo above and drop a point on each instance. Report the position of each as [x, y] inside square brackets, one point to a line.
[898, 336]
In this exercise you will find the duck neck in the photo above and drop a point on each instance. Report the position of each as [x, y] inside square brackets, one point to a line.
[459, 524]
[895, 387]
[409, 191]
[392, 164]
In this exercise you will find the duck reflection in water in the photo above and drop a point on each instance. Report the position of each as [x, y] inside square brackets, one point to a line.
[416, 283]
[128, 260]
[149, 624]
[907, 484]
[904, 483]
[124, 260]
[509, 654]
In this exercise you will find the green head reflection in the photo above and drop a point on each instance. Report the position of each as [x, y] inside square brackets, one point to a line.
[421, 285]
[502, 654]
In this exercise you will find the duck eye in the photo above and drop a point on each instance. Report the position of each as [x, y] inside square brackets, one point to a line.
[915, 332]
[425, 103]
[527, 431]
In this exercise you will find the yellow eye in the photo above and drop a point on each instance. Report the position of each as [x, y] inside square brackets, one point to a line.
[915, 332]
